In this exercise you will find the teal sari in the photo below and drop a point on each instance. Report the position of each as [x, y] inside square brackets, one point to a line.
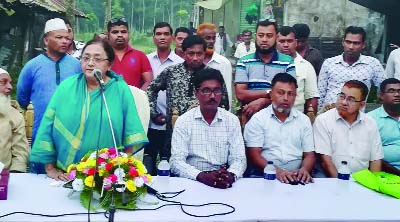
[76, 122]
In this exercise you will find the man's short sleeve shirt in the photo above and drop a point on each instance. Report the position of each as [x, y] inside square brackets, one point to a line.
[258, 75]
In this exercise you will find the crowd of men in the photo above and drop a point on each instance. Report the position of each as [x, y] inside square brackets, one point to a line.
[279, 79]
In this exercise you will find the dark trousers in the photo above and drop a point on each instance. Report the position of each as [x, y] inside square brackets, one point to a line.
[157, 146]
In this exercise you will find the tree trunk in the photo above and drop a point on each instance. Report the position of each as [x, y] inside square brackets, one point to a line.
[132, 15]
[144, 14]
[155, 12]
[107, 16]
[171, 13]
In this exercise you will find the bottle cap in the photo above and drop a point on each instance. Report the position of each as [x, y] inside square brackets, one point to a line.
[270, 162]
[344, 162]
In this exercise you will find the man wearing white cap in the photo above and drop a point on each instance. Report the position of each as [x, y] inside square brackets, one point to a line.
[14, 147]
[40, 76]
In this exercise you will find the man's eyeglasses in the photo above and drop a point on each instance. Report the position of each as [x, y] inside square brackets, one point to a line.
[87, 59]
[393, 91]
[118, 20]
[349, 99]
[208, 91]
[4, 82]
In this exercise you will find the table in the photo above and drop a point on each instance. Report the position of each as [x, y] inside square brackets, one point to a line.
[255, 199]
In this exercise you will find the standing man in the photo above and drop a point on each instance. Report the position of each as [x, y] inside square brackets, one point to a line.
[350, 65]
[387, 118]
[309, 53]
[132, 64]
[254, 72]
[75, 47]
[176, 80]
[307, 91]
[345, 133]
[222, 41]
[207, 143]
[393, 64]
[214, 60]
[181, 33]
[246, 47]
[159, 60]
[40, 77]
[14, 147]
[281, 134]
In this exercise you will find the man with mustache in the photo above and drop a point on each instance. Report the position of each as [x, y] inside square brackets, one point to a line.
[162, 58]
[307, 92]
[14, 147]
[132, 64]
[387, 118]
[350, 65]
[212, 59]
[207, 143]
[255, 71]
[345, 133]
[41, 75]
[176, 80]
[281, 134]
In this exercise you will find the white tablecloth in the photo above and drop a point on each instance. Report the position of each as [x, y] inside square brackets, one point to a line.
[254, 200]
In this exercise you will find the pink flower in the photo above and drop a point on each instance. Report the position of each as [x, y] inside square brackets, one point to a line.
[100, 161]
[112, 152]
[107, 183]
[145, 179]
[85, 170]
[72, 175]
[103, 155]
[112, 177]
[133, 172]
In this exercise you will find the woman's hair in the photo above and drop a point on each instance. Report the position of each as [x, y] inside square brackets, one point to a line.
[106, 46]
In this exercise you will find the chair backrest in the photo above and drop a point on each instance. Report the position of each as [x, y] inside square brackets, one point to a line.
[143, 109]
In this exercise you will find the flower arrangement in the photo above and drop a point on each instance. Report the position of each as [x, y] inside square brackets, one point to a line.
[121, 169]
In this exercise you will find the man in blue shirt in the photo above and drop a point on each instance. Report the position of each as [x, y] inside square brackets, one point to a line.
[387, 119]
[41, 75]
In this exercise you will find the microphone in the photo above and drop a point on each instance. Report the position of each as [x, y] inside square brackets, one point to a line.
[152, 191]
[99, 76]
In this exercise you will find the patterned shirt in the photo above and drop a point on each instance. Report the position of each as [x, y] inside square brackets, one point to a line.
[251, 70]
[176, 80]
[335, 72]
[198, 146]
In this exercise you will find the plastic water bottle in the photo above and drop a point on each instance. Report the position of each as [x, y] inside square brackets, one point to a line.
[344, 171]
[269, 171]
[163, 168]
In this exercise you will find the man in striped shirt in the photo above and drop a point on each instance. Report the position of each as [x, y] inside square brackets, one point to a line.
[255, 71]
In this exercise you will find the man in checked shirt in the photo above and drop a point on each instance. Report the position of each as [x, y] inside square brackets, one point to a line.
[207, 143]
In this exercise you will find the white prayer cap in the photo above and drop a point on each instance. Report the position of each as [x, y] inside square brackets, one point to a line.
[55, 24]
[2, 71]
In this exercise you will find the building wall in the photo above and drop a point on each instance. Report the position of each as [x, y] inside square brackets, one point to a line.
[329, 18]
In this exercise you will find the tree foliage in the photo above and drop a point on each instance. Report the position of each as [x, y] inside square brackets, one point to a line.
[141, 14]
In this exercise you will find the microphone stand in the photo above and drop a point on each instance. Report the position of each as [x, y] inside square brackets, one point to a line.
[114, 185]
[111, 209]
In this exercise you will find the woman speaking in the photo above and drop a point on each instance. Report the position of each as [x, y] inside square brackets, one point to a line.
[76, 120]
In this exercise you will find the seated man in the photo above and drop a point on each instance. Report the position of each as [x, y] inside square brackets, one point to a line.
[14, 147]
[207, 143]
[281, 134]
[347, 134]
[387, 119]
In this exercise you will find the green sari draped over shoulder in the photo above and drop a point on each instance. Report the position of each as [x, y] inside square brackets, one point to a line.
[76, 122]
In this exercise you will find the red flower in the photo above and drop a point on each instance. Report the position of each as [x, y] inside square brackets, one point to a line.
[133, 172]
[100, 160]
[91, 172]
[109, 166]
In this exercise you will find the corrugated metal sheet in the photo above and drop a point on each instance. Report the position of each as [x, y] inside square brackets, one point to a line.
[52, 5]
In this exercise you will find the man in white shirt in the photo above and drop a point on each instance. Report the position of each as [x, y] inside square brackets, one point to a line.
[281, 134]
[347, 134]
[222, 41]
[159, 60]
[307, 91]
[246, 47]
[393, 64]
[207, 143]
[214, 60]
